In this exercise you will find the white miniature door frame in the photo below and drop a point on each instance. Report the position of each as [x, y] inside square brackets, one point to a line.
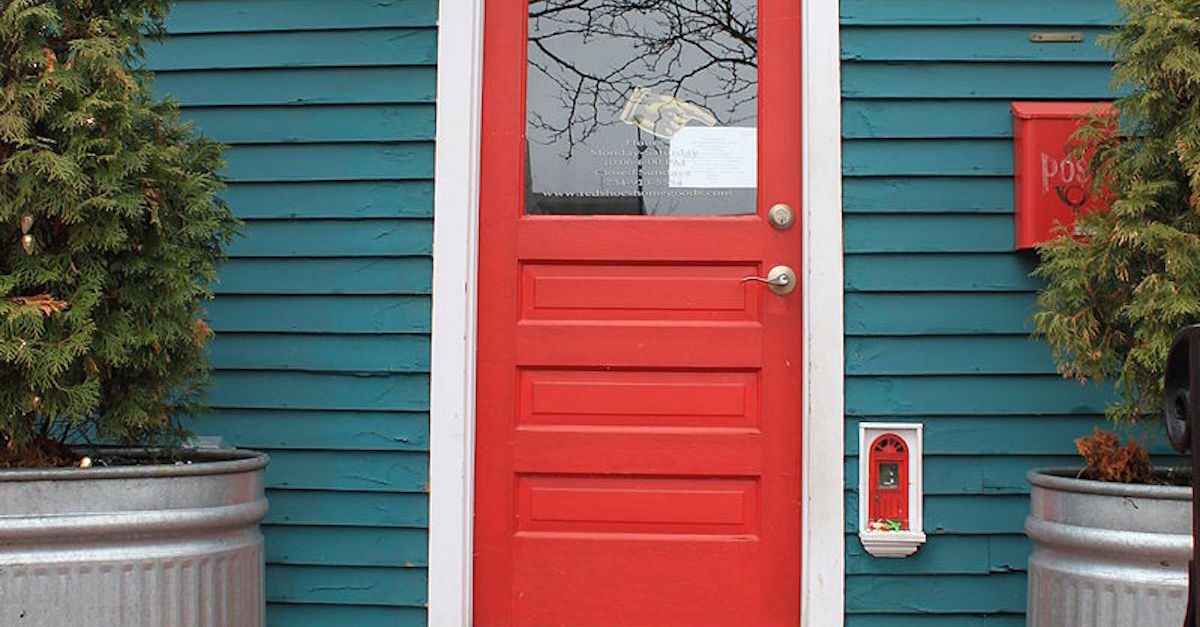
[881, 543]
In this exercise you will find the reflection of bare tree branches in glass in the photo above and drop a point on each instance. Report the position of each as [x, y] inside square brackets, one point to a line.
[700, 51]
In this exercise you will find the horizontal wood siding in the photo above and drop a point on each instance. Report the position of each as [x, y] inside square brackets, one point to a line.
[937, 305]
[322, 314]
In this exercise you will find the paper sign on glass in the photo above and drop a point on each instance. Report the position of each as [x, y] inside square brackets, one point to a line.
[718, 157]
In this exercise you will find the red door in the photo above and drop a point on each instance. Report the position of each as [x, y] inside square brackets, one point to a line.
[638, 400]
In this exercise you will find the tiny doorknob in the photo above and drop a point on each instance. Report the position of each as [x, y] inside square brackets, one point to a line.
[780, 279]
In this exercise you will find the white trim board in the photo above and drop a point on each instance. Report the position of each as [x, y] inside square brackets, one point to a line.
[823, 541]
[452, 368]
[452, 362]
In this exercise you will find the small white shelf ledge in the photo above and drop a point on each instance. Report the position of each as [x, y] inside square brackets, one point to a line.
[891, 543]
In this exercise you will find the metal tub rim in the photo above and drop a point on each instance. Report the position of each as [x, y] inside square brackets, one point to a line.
[1149, 545]
[205, 462]
[1064, 479]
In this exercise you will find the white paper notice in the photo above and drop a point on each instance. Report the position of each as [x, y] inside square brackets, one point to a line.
[717, 157]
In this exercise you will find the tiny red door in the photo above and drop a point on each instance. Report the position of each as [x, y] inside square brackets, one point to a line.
[889, 480]
[638, 397]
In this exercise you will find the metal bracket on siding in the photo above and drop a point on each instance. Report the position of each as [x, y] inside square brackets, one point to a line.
[1056, 38]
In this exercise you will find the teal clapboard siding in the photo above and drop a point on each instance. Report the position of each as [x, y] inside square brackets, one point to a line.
[938, 305]
[323, 312]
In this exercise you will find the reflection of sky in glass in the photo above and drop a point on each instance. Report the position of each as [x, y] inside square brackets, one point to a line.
[585, 61]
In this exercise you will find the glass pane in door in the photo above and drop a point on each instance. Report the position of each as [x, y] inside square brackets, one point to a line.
[642, 108]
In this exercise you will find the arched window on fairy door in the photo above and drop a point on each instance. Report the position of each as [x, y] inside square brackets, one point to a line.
[889, 481]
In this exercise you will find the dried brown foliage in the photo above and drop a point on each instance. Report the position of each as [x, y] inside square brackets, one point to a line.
[201, 332]
[1109, 460]
[46, 303]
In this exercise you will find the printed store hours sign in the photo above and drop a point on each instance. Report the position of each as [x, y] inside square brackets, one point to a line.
[710, 158]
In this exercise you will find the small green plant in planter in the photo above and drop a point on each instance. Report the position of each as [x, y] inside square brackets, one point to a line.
[110, 234]
[1113, 301]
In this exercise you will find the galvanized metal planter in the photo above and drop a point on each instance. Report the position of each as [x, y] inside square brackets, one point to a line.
[1107, 553]
[134, 546]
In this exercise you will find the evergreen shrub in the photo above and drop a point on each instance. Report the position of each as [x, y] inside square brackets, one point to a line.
[1114, 298]
[110, 234]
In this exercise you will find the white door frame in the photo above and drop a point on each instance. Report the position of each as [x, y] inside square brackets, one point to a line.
[452, 369]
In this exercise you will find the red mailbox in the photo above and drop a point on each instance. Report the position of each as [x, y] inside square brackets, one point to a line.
[1051, 188]
[889, 480]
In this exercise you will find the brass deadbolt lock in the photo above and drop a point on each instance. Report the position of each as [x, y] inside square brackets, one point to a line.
[781, 216]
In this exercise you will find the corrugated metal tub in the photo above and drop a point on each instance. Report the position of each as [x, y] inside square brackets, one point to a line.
[1107, 553]
[152, 546]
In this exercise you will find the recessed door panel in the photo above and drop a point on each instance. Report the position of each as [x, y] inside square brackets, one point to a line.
[582, 291]
[636, 505]
[630, 399]
[636, 581]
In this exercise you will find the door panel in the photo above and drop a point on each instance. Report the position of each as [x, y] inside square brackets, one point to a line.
[638, 400]
[593, 291]
[648, 399]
